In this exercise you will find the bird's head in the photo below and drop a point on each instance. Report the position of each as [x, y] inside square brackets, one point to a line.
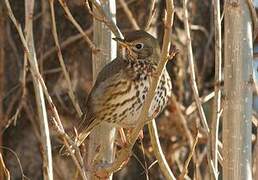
[139, 45]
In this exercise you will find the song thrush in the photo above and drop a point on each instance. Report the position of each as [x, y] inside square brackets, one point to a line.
[121, 87]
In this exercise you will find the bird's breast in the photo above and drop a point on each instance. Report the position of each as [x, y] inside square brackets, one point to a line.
[127, 107]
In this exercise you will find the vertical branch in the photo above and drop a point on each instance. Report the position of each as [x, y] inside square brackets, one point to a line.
[164, 167]
[217, 97]
[41, 108]
[151, 14]
[77, 158]
[105, 18]
[238, 91]
[103, 39]
[77, 25]
[3, 174]
[2, 57]
[61, 61]
[129, 14]
[192, 71]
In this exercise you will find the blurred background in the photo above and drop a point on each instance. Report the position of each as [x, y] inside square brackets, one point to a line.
[18, 115]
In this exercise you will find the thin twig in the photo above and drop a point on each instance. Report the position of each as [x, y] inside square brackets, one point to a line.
[45, 27]
[129, 14]
[164, 167]
[184, 124]
[254, 18]
[185, 170]
[65, 43]
[5, 174]
[192, 108]
[108, 21]
[18, 160]
[151, 15]
[2, 63]
[61, 61]
[56, 120]
[76, 24]
[217, 90]
[192, 71]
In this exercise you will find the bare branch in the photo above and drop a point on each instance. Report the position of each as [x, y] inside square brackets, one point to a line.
[129, 14]
[56, 120]
[151, 15]
[111, 24]
[185, 170]
[192, 71]
[217, 90]
[61, 61]
[164, 167]
[76, 24]
[5, 174]
[40, 100]
[65, 44]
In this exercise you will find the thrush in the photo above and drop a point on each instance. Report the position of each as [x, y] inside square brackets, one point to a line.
[121, 87]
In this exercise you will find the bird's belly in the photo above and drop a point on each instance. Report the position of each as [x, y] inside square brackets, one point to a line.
[127, 114]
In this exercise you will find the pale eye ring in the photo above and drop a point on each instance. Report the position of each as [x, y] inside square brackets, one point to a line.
[139, 46]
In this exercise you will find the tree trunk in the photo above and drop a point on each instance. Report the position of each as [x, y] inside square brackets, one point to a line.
[238, 91]
[103, 40]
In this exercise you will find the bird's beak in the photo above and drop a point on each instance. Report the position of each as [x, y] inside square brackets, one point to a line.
[121, 41]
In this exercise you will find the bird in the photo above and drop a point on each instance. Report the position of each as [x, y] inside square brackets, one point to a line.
[121, 87]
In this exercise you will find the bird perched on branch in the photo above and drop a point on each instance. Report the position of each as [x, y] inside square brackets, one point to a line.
[121, 87]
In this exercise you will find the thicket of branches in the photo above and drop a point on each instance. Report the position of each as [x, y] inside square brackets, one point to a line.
[68, 58]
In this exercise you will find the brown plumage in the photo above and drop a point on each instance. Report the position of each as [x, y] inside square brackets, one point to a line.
[121, 87]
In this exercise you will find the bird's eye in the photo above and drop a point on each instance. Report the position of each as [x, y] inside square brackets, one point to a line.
[139, 46]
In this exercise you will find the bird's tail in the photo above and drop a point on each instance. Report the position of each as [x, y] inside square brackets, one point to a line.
[85, 130]
[83, 133]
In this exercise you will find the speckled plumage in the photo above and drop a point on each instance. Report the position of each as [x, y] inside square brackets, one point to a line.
[121, 87]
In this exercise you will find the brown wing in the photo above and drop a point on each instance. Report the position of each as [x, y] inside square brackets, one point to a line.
[105, 85]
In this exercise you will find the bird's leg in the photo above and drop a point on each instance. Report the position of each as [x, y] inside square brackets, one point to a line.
[123, 142]
[122, 136]
[140, 136]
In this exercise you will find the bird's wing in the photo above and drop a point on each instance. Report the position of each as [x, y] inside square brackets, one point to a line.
[105, 86]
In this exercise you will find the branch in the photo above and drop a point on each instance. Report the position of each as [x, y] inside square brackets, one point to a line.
[104, 18]
[253, 17]
[56, 120]
[192, 71]
[185, 170]
[5, 174]
[151, 15]
[65, 43]
[129, 14]
[40, 100]
[61, 61]
[217, 98]
[76, 24]
[164, 167]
